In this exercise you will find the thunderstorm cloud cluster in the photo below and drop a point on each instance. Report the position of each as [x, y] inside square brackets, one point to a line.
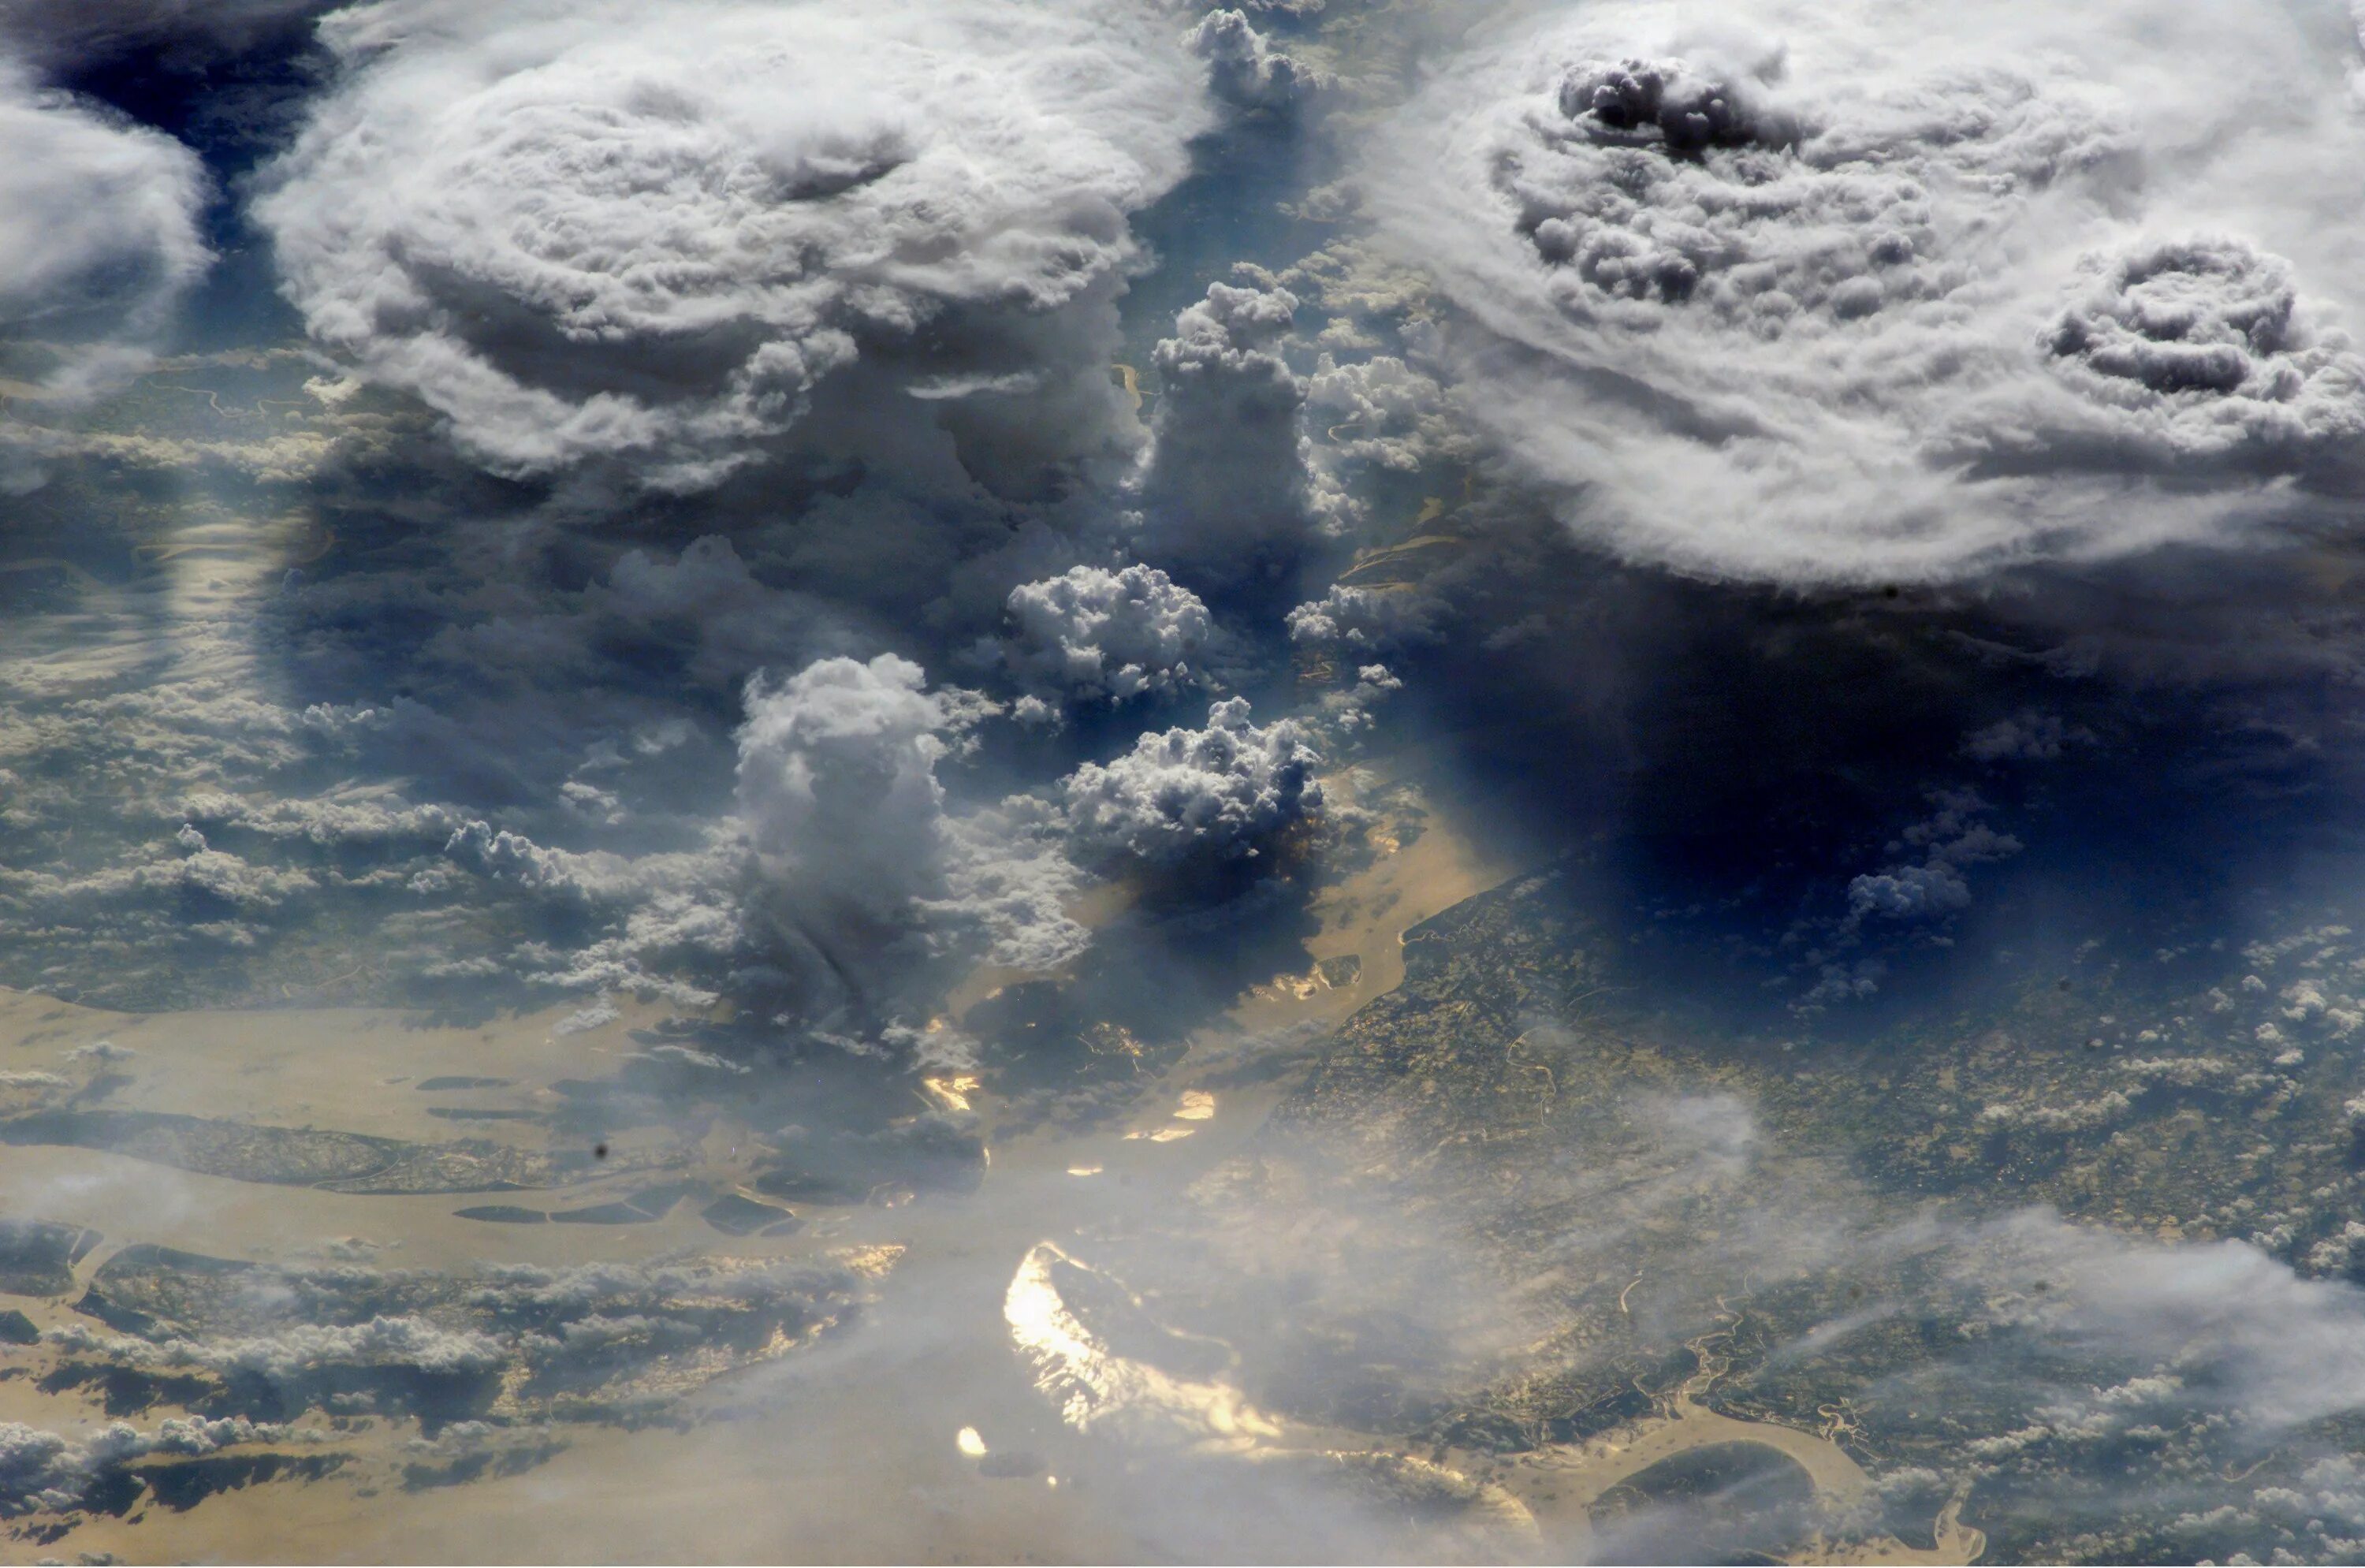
[1560, 598]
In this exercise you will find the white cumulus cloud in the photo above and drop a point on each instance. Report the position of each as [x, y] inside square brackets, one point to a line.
[1181, 794]
[1094, 633]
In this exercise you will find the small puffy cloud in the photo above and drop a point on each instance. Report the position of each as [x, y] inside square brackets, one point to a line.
[1911, 892]
[1243, 69]
[1362, 620]
[1180, 794]
[662, 916]
[353, 816]
[211, 873]
[510, 855]
[689, 1056]
[583, 1020]
[1351, 709]
[1008, 882]
[2032, 736]
[1383, 412]
[1864, 293]
[1092, 633]
[651, 232]
[1950, 838]
[102, 238]
[101, 1051]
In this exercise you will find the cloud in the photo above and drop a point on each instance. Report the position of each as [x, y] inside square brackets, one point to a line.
[1243, 69]
[1383, 412]
[2280, 1350]
[654, 232]
[598, 1016]
[1353, 710]
[2192, 353]
[346, 1339]
[666, 923]
[1366, 620]
[838, 781]
[2033, 735]
[208, 872]
[1216, 793]
[1910, 892]
[839, 795]
[1092, 632]
[1951, 838]
[184, 34]
[103, 236]
[1854, 293]
[1226, 490]
[43, 1472]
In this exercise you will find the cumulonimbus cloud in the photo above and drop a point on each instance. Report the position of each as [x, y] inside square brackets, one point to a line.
[839, 794]
[652, 231]
[1849, 293]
